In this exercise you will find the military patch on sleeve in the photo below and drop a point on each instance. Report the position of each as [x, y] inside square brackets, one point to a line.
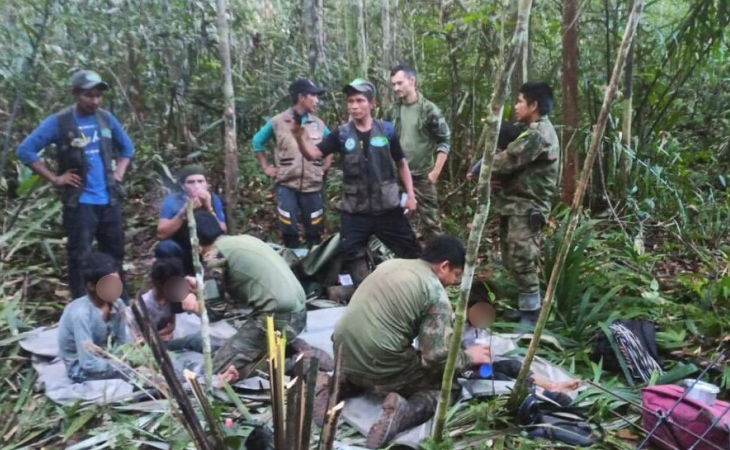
[106, 132]
[350, 144]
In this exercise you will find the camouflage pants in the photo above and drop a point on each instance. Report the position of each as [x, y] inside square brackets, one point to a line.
[247, 348]
[520, 247]
[428, 221]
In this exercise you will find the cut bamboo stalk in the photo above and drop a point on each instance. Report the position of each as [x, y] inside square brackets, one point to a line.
[192, 424]
[213, 423]
[327, 440]
[200, 294]
[334, 387]
[487, 144]
[576, 207]
[293, 400]
[308, 403]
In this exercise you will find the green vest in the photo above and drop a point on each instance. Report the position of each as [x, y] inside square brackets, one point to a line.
[369, 184]
[69, 156]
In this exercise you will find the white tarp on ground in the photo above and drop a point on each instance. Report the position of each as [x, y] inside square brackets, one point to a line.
[360, 412]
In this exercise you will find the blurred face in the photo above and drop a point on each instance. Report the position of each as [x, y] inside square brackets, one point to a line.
[524, 111]
[195, 184]
[447, 274]
[88, 101]
[309, 102]
[403, 85]
[108, 288]
[358, 106]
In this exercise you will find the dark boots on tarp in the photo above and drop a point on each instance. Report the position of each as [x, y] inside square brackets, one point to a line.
[399, 415]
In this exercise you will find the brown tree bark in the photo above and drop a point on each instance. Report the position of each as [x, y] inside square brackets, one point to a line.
[624, 166]
[229, 115]
[570, 98]
[387, 59]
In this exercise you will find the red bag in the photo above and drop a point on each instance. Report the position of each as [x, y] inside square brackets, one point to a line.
[689, 420]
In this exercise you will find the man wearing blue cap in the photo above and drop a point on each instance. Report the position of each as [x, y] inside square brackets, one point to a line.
[87, 174]
[299, 182]
[372, 164]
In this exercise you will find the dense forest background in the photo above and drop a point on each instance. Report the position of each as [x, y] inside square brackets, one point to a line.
[654, 242]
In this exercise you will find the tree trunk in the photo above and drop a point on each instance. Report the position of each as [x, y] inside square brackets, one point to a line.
[624, 165]
[575, 208]
[570, 98]
[488, 143]
[387, 59]
[362, 38]
[229, 115]
[314, 33]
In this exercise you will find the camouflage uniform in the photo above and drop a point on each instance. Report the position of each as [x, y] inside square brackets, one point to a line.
[528, 172]
[251, 274]
[401, 300]
[423, 132]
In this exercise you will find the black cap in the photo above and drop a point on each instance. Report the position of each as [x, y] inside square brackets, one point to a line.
[360, 85]
[87, 79]
[304, 86]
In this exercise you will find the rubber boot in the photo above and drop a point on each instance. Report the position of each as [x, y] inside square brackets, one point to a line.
[399, 415]
[529, 304]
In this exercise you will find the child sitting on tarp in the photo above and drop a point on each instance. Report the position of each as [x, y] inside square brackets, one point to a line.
[97, 318]
[480, 315]
[163, 302]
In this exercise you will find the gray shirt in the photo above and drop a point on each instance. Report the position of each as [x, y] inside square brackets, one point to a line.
[82, 322]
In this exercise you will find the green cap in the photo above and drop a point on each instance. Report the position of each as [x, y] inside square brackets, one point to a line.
[362, 86]
[87, 79]
[191, 169]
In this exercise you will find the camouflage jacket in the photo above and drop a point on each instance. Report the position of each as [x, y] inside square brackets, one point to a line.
[433, 134]
[528, 171]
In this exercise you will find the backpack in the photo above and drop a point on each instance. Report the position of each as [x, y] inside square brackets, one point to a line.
[558, 423]
[628, 346]
[687, 424]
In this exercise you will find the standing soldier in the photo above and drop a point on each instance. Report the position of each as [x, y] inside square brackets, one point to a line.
[298, 181]
[423, 133]
[372, 164]
[87, 175]
[526, 174]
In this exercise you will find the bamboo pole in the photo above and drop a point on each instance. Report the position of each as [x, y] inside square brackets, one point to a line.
[308, 403]
[204, 322]
[488, 142]
[575, 208]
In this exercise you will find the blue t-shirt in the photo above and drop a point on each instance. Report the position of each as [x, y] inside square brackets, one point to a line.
[95, 189]
[173, 203]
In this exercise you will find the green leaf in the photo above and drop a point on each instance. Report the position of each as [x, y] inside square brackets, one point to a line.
[79, 422]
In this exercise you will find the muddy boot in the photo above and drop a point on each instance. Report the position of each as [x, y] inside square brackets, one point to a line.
[340, 294]
[399, 415]
[326, 363]
[321, 398]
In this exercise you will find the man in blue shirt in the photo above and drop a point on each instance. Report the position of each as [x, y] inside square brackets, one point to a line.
[87, 174]
[299, 182]
[172, 228]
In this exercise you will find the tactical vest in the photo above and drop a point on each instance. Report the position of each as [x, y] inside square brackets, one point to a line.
[293, 170]
[369, 184]
[69, 156]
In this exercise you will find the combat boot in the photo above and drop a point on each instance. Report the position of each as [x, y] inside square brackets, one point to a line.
[300, 346]
[399, 415]
[529, 304]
